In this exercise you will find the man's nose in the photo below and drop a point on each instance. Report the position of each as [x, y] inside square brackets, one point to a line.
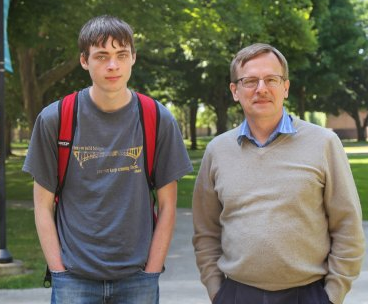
[261, 86]
[113, 64]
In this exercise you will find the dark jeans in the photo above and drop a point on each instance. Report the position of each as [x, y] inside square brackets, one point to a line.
[139, 288]
[232, 292]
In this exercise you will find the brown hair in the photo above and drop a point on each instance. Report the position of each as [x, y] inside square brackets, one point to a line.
[98, 30]
[252, 51]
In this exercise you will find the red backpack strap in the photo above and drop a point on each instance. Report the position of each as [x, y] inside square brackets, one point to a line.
[68, 107]
[149, 117]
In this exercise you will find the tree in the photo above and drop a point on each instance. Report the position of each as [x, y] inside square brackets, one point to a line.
[304, 82]
[44, 46]
[341, 62]
[185, 48]
[218, 29]
[13, 108]
[353, 97]
[206, 118]
[188, 87]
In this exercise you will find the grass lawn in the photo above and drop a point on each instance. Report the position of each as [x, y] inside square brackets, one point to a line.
[18, 184]
[22, 241]
[359, 167]
[358, 159]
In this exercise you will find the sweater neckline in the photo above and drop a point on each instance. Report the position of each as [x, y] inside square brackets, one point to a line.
[247, 145]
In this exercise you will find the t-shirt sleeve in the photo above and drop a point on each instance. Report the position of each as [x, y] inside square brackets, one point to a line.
[41, 159]
[171, 159]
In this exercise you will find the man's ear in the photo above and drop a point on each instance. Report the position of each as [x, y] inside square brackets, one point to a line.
[83, 61]
[234, 91]
[134, 57]
[286, 87]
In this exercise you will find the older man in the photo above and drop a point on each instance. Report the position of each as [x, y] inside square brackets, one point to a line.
[276, 212]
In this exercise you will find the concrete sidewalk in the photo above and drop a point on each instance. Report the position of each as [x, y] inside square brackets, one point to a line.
[180, 283]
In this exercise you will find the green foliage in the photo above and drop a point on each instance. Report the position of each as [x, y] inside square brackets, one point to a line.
[343, 46]
[23, 245]
[181, 115]
[344, 41]
[335, 77]
[50, 27]
[206, 117]
[236, 116]
[318, 118]
[185, 47]
[219, 29]
[13, 99]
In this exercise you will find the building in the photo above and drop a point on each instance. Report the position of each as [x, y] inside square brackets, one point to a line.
[344, 125]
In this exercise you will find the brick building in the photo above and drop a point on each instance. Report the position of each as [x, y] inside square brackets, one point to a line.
[344, 125]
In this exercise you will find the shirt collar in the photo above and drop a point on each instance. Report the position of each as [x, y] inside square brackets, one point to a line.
[285, 126]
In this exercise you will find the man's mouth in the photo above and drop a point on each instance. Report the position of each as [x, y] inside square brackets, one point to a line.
[262, 101]
[112, 78]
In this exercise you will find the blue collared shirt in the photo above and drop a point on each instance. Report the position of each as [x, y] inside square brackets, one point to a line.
[284, 127]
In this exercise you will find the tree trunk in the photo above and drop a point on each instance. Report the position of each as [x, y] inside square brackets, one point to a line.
[221, 113]
[34, 86]
[301, 103]
[360, 127]
[193, 120]
[219, 100]
[31, 95]
[8, 151]
[365, 125]
[187, 131]
[360, 133]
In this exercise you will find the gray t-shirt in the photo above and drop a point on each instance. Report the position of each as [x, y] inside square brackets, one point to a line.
[104, 217]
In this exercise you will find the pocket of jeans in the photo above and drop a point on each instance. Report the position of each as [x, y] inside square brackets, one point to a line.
[149, 274]
[59, 273]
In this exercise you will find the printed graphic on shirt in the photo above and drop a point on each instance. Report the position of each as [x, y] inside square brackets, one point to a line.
[84, 154]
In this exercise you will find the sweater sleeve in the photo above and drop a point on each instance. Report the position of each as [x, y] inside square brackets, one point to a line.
[207, 228]
[344, 214]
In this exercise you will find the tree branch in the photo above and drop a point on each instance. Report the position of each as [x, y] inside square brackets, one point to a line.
[47, 79]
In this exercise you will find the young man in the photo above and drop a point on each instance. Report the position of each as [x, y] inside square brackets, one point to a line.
[276, 213]
[103, 248]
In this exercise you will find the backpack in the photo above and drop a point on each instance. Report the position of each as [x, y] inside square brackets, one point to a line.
[149, 116]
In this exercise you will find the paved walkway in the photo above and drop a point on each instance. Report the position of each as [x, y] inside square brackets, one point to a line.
[180, 283]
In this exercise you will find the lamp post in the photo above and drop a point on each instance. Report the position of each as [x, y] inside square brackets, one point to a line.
[5, 256]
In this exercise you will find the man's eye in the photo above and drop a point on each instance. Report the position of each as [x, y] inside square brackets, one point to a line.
[250, 82]
[101, 57]
[123, 56]
[272, 80]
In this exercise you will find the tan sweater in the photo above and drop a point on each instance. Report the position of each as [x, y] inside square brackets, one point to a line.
[278, 217]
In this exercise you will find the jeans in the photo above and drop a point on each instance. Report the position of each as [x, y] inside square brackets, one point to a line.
[140, 287]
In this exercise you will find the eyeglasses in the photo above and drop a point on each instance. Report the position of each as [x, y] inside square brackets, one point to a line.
[271, 81]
